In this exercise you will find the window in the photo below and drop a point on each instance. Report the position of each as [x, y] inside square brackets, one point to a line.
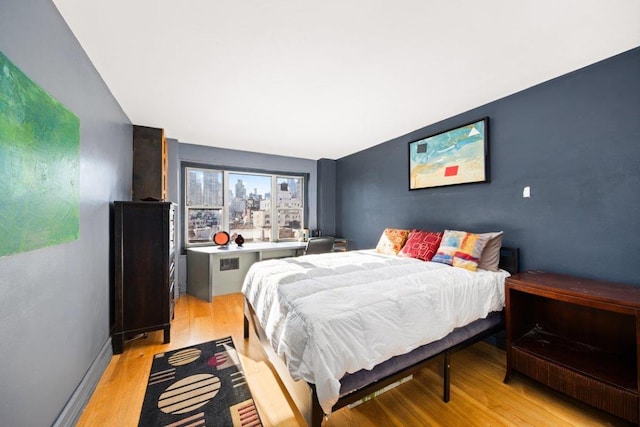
[204, 204]
[289, 207]
[242, 203]
[249, 215]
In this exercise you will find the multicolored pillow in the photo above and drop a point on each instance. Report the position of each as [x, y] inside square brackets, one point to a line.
[461, 249]
[391, 241]
[422, 244]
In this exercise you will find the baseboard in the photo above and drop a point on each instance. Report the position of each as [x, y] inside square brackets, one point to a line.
[71, 412]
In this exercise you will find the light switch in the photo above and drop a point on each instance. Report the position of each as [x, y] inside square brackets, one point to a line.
[526, 192]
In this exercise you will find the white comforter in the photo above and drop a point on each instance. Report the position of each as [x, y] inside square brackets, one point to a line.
[331, 314]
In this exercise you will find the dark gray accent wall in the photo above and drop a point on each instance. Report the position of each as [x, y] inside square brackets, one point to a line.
[54, 301]
[574, 140]
[327, 196]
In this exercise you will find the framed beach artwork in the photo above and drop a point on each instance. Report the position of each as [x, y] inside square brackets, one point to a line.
[455, 156]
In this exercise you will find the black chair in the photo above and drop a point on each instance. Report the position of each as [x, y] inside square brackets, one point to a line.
[319, 245]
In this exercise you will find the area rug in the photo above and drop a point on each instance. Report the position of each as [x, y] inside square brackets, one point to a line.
[201, 385]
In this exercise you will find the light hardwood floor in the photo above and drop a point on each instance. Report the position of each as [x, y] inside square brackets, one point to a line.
[478, 395]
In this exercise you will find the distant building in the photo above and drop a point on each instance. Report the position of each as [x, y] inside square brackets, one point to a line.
[241, 190]
[237, 206]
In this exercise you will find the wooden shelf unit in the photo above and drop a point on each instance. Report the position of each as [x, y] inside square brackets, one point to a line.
[150, 164]
[578, 336]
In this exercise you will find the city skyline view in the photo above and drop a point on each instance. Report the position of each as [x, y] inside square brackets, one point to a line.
[249, 207]
[251, 183]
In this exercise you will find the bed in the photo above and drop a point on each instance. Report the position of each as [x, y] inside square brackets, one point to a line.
[337, 327]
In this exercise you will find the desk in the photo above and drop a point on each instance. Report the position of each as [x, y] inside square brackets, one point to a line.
[214, 271]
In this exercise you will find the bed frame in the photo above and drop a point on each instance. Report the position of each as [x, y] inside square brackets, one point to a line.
[358, 385]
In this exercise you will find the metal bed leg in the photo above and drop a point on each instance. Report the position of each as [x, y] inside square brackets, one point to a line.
[317, 414]
[447, 377]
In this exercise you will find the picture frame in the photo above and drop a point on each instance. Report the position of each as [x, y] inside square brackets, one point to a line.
[455, 156]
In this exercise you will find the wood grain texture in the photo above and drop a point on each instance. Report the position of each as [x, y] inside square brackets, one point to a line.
[150, 163]
[576, 335]
[478, 395]
[144, 261]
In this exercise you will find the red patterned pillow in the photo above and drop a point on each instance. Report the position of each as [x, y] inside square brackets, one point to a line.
[422, 244]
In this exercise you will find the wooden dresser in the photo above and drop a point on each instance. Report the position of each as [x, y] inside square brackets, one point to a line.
[578, 336]
[144, 276]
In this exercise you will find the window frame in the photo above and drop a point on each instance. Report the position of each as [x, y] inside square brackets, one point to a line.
[226, 202]
[186, 208]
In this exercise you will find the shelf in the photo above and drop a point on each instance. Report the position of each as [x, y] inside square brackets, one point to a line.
[612, 369]
[577, 336]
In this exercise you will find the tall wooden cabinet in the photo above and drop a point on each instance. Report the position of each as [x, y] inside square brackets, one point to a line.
[150, 163]
[144, 276]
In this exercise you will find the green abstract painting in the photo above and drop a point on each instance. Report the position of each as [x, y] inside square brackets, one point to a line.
[39, 165]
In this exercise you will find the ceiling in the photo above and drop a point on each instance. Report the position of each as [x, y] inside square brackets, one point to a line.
[325, 79]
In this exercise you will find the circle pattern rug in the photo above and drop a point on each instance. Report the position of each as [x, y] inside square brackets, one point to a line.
[201, 385]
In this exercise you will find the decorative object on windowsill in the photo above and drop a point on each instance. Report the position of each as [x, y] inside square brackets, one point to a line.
[221, 238]
[239, 240]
